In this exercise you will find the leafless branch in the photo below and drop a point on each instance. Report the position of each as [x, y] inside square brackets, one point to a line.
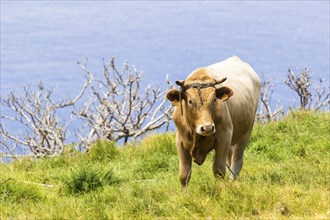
[301, 83]
[265, 112]
[35, 113]
[119, 108]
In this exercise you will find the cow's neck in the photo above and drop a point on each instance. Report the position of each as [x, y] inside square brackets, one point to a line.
[196, 140]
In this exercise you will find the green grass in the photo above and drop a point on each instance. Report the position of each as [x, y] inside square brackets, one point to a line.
[285, 175]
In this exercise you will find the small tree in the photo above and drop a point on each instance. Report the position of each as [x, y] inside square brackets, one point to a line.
[36, 113]
[301, 83]
[265, 112]
[119, 108]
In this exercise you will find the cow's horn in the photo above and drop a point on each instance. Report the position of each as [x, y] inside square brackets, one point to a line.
[220, 81]
[180, 82]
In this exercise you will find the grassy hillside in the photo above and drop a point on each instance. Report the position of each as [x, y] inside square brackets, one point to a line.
[285, 175]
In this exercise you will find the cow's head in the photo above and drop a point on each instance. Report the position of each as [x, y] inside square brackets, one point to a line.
[197, 100]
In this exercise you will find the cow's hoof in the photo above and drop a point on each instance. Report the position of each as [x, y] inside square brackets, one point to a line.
[219, 176]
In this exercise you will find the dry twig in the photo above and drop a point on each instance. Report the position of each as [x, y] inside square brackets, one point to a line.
[265, 112]
[301, 84]
[36, 113]
[119, 108]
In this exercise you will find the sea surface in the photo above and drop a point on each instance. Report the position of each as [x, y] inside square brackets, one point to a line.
[43, 40]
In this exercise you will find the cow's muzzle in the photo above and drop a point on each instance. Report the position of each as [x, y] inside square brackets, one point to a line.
[206, 129]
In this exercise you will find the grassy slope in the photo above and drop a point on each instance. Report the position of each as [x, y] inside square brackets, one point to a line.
[286, 174]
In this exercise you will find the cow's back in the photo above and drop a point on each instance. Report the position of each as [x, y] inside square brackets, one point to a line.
[245, 83]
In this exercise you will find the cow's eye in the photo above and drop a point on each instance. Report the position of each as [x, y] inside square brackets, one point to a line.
[190, 102]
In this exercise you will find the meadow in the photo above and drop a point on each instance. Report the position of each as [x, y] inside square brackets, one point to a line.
[285, 175]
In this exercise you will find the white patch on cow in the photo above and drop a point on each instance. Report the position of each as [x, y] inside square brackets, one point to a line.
[206, 129]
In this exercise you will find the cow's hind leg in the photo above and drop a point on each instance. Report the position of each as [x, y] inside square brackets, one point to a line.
[237, 157]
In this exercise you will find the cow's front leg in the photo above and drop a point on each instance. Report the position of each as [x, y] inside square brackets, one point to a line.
[185, 165]
[221, 151]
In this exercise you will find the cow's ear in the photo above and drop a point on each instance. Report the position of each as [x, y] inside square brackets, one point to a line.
[174, 96]
[224, 93]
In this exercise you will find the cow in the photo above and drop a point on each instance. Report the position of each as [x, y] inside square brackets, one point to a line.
[215, 108]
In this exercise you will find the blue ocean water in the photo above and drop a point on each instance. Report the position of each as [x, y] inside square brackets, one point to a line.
[43, 40]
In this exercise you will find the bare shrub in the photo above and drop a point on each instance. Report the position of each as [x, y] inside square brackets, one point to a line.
[265, 112]
[302, 83]
[35, 114]
[119, 108]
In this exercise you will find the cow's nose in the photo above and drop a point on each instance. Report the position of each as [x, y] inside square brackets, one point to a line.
[206, 129]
